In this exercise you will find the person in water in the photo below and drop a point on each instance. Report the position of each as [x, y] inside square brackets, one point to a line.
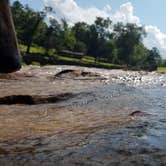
[9, 52]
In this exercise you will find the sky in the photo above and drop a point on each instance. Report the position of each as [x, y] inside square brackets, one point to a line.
[149, 13]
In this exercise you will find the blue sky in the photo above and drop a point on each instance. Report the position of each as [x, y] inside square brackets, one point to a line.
[145, 12]
[149, 11]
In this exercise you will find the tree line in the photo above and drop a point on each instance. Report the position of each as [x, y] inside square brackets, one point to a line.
[104, 41]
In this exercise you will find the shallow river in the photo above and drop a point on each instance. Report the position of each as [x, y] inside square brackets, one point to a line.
[63, 115]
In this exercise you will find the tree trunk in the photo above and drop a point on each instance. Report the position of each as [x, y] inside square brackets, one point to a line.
[32, 34]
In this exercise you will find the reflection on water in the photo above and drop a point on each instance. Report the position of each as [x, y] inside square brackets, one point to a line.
[156, 135]
[156, 138]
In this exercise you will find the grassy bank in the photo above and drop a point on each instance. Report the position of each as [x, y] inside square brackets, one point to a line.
[85, 61]
[161, 69]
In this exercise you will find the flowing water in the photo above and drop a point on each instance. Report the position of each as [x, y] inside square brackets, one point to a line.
[157, 106]
[65, 115]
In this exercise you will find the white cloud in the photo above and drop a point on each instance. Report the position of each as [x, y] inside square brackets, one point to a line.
[156, 37]
[72, 12]
[125, 14]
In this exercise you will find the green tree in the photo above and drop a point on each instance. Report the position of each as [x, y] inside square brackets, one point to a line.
[153, 59]
[33, 19]
[68, 36]
[98, 34]
[39, 38]
[19, 15]
[108, 51]
[27, 22]
[81, 30]
[121, 44]
[140, 55]
[128, 37]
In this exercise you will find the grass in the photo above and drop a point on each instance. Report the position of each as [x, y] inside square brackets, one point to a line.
[86, 60]
[108, 64]
[68, 59]
[161, 69]
[37, 49]
[33, 49]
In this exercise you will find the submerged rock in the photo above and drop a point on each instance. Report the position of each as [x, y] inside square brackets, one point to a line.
[138, 113]
[78, 75]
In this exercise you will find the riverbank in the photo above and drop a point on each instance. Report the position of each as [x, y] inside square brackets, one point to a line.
[66, 115]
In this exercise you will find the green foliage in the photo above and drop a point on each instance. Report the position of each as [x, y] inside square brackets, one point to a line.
[68, 59]
[29, 24]
[80, 29]
[69, 39]
[153, 58]
[139, 55]
[100, 42]
[97, 37]
[35, 63]
[33, 49]
[80, 47]
[128, 37]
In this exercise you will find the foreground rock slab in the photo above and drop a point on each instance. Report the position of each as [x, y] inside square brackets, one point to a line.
[61, 115]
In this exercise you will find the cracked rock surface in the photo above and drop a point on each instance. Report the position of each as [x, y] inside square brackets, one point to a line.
[64, 115]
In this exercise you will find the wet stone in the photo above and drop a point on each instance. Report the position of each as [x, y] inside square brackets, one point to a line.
[31, 100]
[138, 114]
[78, 75]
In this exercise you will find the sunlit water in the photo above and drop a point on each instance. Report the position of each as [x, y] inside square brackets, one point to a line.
[128, 90]
[156, 135]
[97, 125]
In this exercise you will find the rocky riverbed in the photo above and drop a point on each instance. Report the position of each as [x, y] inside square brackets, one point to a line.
[65, 115]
